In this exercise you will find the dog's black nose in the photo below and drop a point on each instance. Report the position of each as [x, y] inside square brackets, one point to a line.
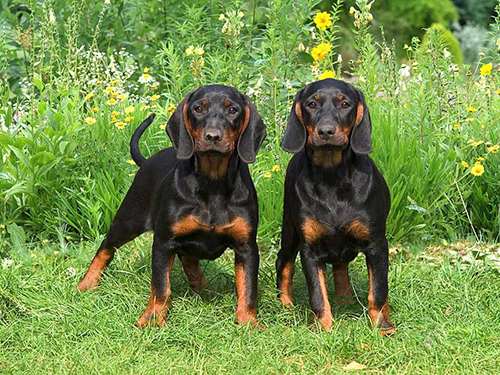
[326, 132]
[213, 135]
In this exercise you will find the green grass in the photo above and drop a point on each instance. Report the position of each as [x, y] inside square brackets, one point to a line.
[447, 320]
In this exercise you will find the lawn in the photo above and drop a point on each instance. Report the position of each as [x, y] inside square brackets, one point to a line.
[446, 316]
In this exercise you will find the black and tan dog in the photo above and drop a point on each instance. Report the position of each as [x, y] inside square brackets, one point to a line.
[197, 197]
[336, 200]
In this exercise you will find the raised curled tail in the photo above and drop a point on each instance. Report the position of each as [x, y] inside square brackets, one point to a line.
[134, 142]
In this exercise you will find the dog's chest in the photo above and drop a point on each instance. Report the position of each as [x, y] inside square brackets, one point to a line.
[211, 224]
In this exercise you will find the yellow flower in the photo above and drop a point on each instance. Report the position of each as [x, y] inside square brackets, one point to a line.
[89, 95]
[171, 108]
[56, 252]
[267, 175]
[90, 120]
[123, 96]
[405, 106]
[470, 140]
[115, 113]
[114, 95]
[113, 119]
[486, 69]
[115, 81]
[493, 149]
[480, 158]
[456, 127]
[131, 162]
[477, 169]
[144, 107]
[276, 168]
[465, 164]
[129, 110]
[469, 119]
[323, 20]
[33, 255]
[120, 125]
[45, 241]
[111, 101]
[109, 89]
[129, 118]
[94, 110]
[2, 226]
[190, 50]
[471, 109]
[155, 97]
[199, 51]
[445, 243]
[146, 70]
[352, 10]
[320, 52]
[163, 127]
[498, 91]
[327, 74]
[477, 143]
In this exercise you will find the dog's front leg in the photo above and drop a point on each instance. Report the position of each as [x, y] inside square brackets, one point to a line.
[246, 268]
[377, 262]
[159, 301]
[315, 272]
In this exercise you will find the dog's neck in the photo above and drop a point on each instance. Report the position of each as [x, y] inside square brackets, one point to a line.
[325, 159]
[214, 167]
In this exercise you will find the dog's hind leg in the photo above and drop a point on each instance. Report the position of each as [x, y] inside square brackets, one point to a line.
[130, 221]
[285, 264]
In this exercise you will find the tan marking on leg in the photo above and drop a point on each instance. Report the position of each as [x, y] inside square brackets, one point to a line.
[327, 158]
[342, 286]
[358, 230]
[376, 313]
[326, 319]
[96, 268]
[158, 305]
[194, 274]
[312, 230]
[244, 314]
[286, 295]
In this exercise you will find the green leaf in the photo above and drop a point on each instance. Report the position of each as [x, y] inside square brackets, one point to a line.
[38, 82]
[17, 235]
[21, 156]
[305, 58]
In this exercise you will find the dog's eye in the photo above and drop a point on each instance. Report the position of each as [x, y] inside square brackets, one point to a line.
[232, 110]
[345, 105]
[312, 105]
[198, 109]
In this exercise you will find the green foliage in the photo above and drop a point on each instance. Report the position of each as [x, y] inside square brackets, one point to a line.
[404, 19]
[476, 12]
[449, 41]
[65, 132]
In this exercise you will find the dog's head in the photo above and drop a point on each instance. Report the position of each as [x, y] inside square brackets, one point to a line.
[216, 120]
[329, 114]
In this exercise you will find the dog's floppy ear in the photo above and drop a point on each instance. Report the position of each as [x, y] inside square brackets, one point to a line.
[177, 129]
[294, 139]
[361, 137]
[253, 133]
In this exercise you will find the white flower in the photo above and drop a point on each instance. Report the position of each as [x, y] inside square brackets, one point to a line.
[222, 17]
[446, 53]
[52, 17]
[404, 71]
[107, 2]
[7, 262]
[70, 271]
[339, 58]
